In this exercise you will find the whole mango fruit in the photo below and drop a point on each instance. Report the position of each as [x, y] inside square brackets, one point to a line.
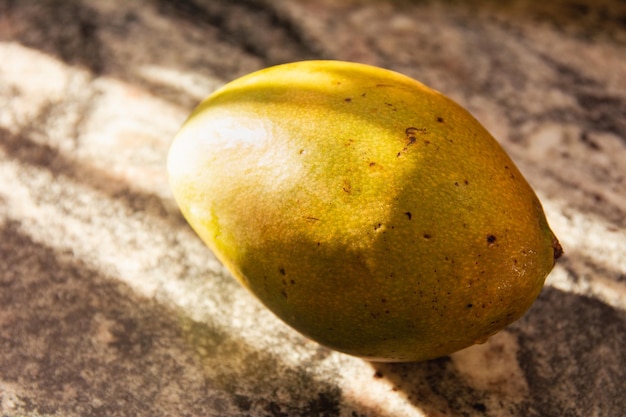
[366, 210]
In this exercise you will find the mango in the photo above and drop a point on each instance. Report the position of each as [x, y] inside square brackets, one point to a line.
[366, 210]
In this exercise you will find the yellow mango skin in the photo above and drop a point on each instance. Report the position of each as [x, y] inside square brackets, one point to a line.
[366, 210]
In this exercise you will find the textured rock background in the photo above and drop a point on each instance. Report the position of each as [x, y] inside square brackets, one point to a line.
[109, 305]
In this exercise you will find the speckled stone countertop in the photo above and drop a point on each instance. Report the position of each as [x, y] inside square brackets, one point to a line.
[111, 306]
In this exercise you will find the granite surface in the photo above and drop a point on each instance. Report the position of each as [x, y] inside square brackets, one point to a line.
[111, 306]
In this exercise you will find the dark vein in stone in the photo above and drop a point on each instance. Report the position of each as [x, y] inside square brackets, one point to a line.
[255, 27]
